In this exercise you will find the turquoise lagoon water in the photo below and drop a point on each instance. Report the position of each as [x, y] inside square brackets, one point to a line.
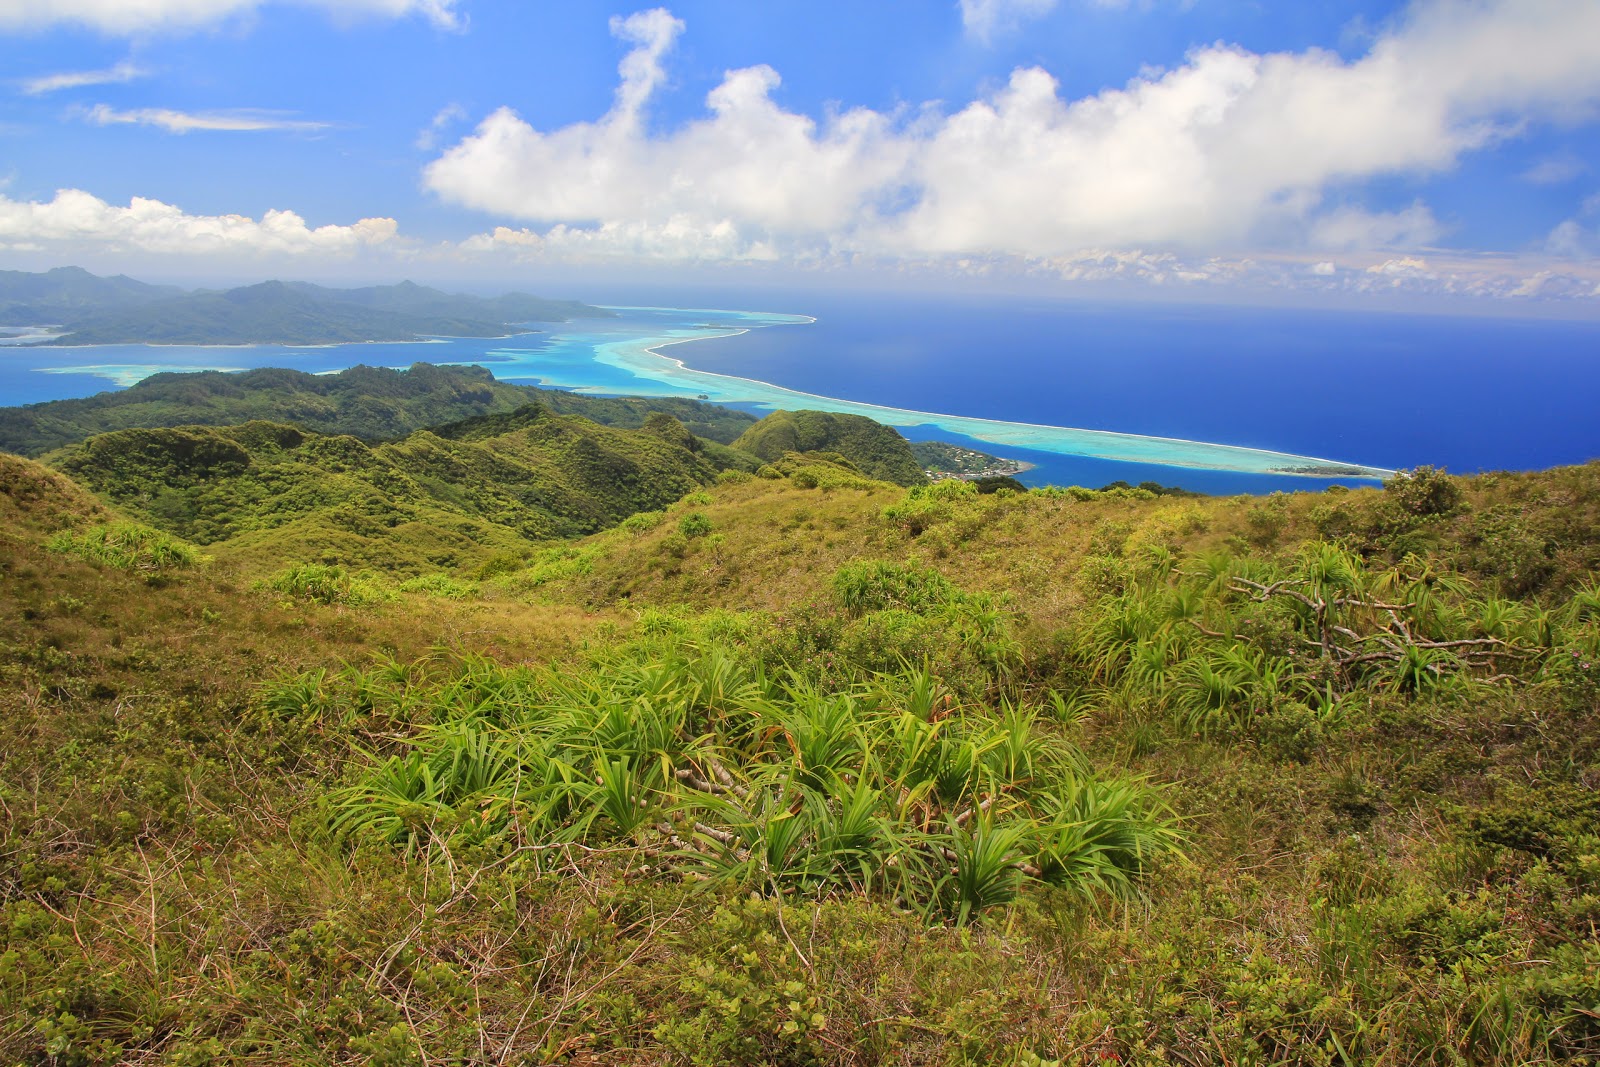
[645, 351]
[638, 355]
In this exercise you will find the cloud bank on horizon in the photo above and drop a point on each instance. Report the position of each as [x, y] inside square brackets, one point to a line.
[1230, 166]
[75, 216]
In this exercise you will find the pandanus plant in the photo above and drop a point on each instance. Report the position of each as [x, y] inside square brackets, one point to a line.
[460, 780]
[890, 791]
[986, 866]
[823, 734]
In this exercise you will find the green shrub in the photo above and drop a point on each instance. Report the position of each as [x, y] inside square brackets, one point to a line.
[556, 563]
[440, 585]
[1267, 520]
[1101, 576]
[500, 563]
[883, 641]
[642, 523]
[675, 545]
[323, 584]
[127, 546]
[1423, 492]
[694, 524]
[869, 585]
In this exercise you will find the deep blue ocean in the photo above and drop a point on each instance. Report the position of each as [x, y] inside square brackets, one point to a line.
[1387, 390]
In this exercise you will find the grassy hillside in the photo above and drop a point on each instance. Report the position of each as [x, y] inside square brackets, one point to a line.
[876, 450]
[372, 403]
[800, 768]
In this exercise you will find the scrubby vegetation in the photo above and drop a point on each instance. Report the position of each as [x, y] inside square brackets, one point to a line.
[794, 766]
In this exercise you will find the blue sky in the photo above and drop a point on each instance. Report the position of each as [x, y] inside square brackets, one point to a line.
[1323, 150]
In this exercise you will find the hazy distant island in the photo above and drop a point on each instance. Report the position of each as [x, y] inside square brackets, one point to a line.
[89, 310]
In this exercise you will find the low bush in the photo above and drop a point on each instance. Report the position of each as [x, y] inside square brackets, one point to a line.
[323, 584]
[694, 524]
[441, 585]
[127, 546]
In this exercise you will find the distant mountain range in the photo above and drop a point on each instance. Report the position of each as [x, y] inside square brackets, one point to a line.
[92, 310]
[67, 294]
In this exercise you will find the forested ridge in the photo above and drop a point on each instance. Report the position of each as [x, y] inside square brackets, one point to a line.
[520, 738]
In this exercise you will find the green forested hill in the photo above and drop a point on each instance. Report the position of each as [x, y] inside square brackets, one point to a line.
[797, 768]
[877, 450]
[265, 489]
[372, 403]
[708, 421]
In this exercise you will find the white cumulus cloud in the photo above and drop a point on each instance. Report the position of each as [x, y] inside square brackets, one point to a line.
[1577, 238]
[447, 116]
[1574, 240]
[147, 16]
[1230, 149]
[1555, 170]
[76, 218]
[981, 18]
[186, 121]
[1354, 228]
[77, 79]
[750, 164]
